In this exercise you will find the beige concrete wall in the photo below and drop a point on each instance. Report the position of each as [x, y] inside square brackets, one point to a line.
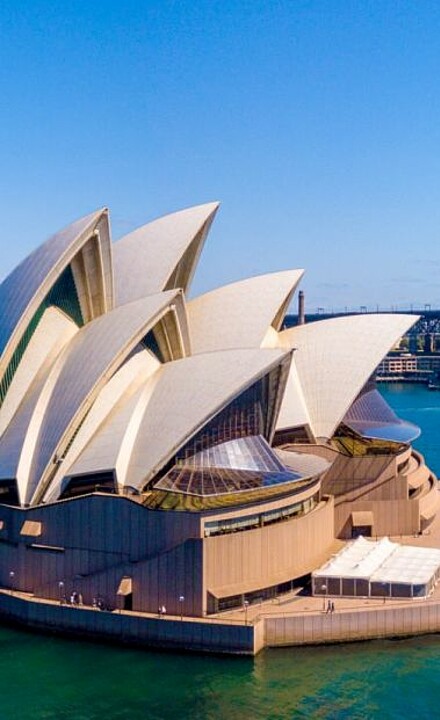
[351, 477]
[384, 492]
[391, 517]
[89, 543]
[429, 502]
[269, 555]
[374, 484]
[343, 626]
[170, 575]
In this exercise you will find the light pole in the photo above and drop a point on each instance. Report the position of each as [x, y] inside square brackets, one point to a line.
[11, 581]
[61, 591]
[181, 601]
[323, 590]
[245, 605]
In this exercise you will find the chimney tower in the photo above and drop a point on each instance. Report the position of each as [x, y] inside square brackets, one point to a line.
[301, 311]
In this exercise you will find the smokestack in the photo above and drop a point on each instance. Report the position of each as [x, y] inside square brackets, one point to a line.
[301, 312]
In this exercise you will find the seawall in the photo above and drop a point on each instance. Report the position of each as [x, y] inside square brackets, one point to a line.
[132, 628]
[222, 636]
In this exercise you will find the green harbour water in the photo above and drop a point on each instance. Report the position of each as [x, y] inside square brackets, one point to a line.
[48, 678]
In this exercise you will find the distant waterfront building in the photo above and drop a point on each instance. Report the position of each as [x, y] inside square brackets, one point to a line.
[157, 451]
[409, 366]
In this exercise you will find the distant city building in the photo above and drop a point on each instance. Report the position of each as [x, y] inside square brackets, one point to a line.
[409, 366]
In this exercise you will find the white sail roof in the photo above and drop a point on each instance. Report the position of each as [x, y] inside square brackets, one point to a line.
[98, 349]
[333, 359]
[162, 254]
[22, 292]
[120, 390]
[54, 330]
[241, 313]
[186, 396]
[105, 434]
[293, 411]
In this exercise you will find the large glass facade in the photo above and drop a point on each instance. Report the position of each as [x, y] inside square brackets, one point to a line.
[84, 484]
[248, 522]
[62, 295]
[371, 416]
[9, 492]
[150, 343]
[230, 455]
[218, 481]
[234, 466]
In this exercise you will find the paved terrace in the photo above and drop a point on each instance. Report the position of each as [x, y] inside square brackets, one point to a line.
[297, 604]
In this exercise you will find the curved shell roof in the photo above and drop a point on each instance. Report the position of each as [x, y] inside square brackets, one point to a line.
[98, 349]
[25, 288]
[240, 314]
[146, 259]
[112, 395]
[200, 386]
[54, 330]
[293, 411]
[105, 438]
[333, 359]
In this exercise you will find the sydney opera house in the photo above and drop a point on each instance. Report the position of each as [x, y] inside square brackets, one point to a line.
[157, 450]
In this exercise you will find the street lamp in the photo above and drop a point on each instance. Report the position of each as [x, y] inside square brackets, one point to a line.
[181, 601]
[61, 591]
[11, 581]
[323, 590]
[245, 605]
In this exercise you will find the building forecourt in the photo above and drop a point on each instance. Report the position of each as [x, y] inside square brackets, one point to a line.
[173, 458]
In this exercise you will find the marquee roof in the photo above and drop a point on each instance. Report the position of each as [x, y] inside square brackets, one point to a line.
[383, 561]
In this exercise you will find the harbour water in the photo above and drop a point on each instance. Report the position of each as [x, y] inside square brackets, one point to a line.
[47, 678]
[422, 406]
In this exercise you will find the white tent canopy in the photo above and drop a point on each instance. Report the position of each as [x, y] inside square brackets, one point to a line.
[379, 568]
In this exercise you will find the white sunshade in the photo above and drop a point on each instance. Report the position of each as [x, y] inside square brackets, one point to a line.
[409, 565]
[384, 562]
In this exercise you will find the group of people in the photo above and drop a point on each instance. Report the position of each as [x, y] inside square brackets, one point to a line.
[75, 598]
[99, 604]
[330, 607]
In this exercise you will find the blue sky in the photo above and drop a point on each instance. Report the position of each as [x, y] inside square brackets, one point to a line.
[316, 124]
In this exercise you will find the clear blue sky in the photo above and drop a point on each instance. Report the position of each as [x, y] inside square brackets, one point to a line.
[316, 124]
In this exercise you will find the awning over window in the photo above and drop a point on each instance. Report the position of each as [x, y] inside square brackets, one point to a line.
[362, 518]
[125, 586]
[31, 528]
